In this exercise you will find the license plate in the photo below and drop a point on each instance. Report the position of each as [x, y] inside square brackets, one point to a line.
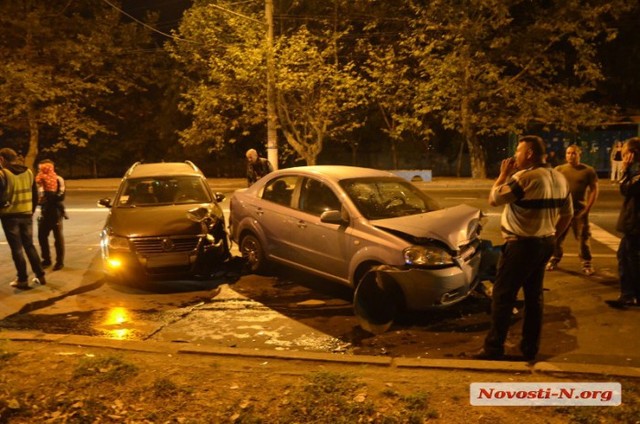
[161, 261]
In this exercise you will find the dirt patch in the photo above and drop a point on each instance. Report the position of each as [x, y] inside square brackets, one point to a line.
[54, 383]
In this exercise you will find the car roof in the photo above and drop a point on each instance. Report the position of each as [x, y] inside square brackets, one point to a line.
[338, 172]
[159, 169]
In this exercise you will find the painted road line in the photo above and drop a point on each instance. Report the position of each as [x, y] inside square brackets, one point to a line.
[604, 237]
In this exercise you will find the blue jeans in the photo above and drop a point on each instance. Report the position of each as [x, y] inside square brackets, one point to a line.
[629, 266]
[19, 233]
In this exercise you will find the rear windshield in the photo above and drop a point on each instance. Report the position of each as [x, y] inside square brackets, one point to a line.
[163, 190]
[381, 198]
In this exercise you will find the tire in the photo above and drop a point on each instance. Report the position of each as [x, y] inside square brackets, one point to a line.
[252, 251]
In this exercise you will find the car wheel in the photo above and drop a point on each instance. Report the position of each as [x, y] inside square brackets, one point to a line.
[252, 251]
[377, 300]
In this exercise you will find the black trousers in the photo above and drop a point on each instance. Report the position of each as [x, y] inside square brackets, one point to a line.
[521, 266]
[46, 225]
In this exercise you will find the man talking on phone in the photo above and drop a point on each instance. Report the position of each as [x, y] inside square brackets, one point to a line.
[537, 207]
[629, 225]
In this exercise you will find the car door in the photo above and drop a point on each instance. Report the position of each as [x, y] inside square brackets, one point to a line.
[323, 247]
[274, 215]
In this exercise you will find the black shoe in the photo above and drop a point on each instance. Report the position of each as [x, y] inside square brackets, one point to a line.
[46, 264]
[58, 267]
[484, 355]
[40, 280]
[622, 302]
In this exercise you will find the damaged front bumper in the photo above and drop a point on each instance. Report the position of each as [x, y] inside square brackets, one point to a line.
[385, 290]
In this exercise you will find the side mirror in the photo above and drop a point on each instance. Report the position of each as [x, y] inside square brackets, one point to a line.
[105, 203]
[219, 197]
[332, 217]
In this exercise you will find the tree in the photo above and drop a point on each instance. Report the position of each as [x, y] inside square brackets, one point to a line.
[222, 70]
[62, 61]
[224, 57]
[317, 99]
[490, 67]
[391, 89]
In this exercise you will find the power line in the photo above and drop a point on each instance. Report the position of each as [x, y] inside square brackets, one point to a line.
[237, 14]
[149, 26]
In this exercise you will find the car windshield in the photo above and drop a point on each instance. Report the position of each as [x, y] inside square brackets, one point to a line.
[153, 191]
[380, 198]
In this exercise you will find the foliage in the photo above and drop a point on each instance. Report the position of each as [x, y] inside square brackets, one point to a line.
[479, 68]
[316, 98]
[223, 76]
[77, 74]
[492, 67]
[62, 63]
[224, 57]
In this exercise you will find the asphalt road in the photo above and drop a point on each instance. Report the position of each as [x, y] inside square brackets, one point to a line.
[291, 311]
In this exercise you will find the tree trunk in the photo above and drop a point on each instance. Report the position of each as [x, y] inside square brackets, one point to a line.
[459, 158]
[476, 151]
[394, 153]
[477, 157]
[34, 135]
[307, 151]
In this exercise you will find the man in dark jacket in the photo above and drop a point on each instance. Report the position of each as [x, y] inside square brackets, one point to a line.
[257, 167]
[19, 198]
[629, 226]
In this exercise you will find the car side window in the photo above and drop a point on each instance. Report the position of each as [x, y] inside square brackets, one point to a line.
[316, 197]
[280, 190]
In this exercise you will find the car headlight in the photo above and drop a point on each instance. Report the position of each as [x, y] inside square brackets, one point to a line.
[118, 243]
[427, 256]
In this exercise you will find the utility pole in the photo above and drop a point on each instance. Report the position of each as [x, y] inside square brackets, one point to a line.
[272, 134]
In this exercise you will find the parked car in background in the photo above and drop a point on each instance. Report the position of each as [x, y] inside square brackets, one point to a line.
[164, 222]
[366, 228]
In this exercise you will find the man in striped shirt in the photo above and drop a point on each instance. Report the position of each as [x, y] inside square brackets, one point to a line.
[537, 207]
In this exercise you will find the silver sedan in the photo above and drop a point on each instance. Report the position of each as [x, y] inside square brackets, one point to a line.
[366, 228]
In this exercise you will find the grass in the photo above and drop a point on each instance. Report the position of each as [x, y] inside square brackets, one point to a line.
[105, 368]
[329, 398]
[5, 356]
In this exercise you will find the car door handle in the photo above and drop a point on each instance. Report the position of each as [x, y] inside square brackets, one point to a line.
[259, 211]
[302, 224]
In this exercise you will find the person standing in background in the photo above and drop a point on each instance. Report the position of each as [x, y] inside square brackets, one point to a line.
[18, 201]
[257, 167]
[616, 161]
[629, 225]
[583, 184]
[51, 192]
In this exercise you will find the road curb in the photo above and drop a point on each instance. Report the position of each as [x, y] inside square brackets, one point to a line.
[360, 360]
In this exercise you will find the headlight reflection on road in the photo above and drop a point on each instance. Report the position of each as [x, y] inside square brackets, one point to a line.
[117, 318]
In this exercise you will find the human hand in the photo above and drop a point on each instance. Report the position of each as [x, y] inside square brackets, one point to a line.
[508, 166]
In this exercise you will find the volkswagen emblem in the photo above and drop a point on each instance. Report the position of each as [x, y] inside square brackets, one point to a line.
[167, 245]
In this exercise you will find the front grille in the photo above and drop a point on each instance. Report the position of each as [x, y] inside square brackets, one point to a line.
[159, 245]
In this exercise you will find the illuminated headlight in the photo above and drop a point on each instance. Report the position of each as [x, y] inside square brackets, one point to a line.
[118, 243]
[427, 256]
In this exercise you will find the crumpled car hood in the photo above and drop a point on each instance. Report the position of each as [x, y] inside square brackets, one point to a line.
[153, 221]
[455, 226]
